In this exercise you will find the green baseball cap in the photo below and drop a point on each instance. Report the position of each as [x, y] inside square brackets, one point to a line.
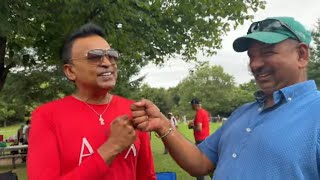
[271, 31]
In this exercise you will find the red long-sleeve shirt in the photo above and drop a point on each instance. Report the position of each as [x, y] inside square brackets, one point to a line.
[65, 135]
[202, 116]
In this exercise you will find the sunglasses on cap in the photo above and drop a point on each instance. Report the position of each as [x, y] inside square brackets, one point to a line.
[97, 55]
[270, 25]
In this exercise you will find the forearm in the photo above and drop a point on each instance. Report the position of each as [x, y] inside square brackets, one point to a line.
[186, 154]
[108, 152]
[197, 127]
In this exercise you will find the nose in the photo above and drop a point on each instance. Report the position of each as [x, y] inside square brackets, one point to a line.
[255, 63]
[107, 61]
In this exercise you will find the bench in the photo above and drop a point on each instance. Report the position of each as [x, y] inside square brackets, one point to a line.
[13, 152]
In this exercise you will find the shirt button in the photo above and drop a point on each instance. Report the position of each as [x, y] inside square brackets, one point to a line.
[289, 98]
[248, 130]
[260, 109]
[234, 155]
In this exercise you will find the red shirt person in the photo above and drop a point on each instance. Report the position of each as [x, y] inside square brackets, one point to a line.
[200, 125]
[88, 135]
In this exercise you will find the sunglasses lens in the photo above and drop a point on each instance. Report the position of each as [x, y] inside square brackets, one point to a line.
[270, 25]
[95, 54]
[112, 53]
[254, 27]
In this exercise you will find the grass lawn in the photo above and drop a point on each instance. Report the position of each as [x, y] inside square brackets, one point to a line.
[162, 162]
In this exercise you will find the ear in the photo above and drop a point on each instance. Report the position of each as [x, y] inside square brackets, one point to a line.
[68, 71]
[303, 53]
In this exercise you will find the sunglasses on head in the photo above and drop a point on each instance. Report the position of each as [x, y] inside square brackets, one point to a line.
[97, 55]
[270, 25]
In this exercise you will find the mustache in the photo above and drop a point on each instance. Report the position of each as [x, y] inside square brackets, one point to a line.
[259, 71]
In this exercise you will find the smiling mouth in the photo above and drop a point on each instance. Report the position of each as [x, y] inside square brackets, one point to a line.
[261, 76]
[106, 74]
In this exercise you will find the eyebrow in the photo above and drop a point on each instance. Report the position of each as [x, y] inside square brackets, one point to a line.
[268, 46]
[265, 47]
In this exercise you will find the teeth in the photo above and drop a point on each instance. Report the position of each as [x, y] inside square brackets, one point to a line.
[106, 74]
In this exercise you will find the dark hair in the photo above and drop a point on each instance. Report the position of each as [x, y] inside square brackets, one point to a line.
[195, 101]
[86, 30]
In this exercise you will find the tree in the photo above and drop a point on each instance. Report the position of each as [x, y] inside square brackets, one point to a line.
[211, 85]
[5, 113]
[32, 31]
[314, 63]
[159, 96]
[244, 93]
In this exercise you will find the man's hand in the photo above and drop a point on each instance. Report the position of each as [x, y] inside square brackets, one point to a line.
[146, 116]
[122, 135]
[191, 125]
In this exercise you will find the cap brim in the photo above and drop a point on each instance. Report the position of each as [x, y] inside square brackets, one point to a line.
[242, 44]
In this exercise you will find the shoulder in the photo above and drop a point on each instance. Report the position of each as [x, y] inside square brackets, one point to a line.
[121, 100]
[203, 112]
[56, 104]
[242, 110]
[244, 107]
[121, 103]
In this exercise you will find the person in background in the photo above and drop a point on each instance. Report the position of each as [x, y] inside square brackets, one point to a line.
[174, 124]
[200, 124]
[173, 120]
[25, 129]
[274, 137]
[89, 134]
[20, 135]
[184, 119]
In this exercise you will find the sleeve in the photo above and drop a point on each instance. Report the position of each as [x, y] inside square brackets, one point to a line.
[200, 117]
[44, 154]
[196, 119]
[210, 146]
[145, 166]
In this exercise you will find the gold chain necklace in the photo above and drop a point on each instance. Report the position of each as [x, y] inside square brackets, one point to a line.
[100, 115]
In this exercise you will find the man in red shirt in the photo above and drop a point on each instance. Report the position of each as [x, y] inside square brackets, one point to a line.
[200, 125]
[89, 134]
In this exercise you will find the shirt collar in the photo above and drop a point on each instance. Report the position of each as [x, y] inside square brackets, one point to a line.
[288, 93]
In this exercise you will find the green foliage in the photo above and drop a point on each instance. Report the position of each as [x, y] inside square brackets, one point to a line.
[26, 89]
[141, 30]
[32, 33]
[5, 113]
[159, 96]
[216, 90]
[211, 85]
[314, 63]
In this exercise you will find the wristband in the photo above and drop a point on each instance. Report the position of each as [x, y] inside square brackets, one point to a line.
[165, 135]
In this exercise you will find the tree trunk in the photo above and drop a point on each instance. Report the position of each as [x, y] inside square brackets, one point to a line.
[3, 71]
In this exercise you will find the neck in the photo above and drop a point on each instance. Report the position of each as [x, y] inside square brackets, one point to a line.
[93, 98]
[269, 101]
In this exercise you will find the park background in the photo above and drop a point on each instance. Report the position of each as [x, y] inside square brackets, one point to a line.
[146, 33]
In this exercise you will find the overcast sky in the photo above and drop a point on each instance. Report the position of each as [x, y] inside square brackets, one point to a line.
[235, 64]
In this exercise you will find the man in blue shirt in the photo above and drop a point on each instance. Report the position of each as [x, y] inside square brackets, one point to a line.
[275, 137]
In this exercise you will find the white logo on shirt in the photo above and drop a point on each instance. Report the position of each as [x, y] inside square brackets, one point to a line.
[85, 142]
[133, 149]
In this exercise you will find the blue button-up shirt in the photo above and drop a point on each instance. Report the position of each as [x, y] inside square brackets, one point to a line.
[279, 142]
